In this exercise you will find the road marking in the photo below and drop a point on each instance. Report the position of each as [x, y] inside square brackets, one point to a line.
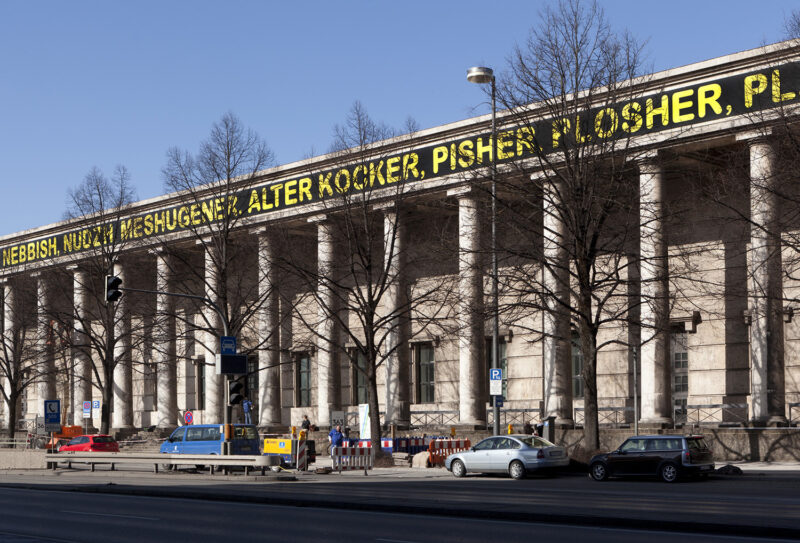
[107, 515]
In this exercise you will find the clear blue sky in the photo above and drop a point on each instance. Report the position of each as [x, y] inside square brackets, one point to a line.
[101, 83]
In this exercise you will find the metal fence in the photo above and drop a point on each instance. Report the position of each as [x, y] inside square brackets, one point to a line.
[517, 417]
[608, 416]
[716, 414]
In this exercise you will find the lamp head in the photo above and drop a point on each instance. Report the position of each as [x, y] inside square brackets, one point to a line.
[480, 74]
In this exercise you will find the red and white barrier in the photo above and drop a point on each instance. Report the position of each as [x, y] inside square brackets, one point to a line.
[301, 456]
[440, 449]
[351, 458]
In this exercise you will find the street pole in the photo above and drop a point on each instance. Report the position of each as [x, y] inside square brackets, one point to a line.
[482, 75]
[635, 395]
[495, 289]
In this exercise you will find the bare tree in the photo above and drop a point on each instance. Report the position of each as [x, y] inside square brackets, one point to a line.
[573, 70]
[21, 362]
[97, 207]
[228, 161]
[369, 305]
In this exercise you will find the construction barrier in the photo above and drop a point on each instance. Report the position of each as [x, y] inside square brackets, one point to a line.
[301, 463]
[294, 453]
[351, 458]
[439, 449]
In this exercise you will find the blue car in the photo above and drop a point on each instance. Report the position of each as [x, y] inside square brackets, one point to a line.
[208, 439]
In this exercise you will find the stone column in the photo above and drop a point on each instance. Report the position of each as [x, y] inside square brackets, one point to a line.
[215, 398]
[471, 339]
[327, 330]
[9, 328]
[122, 413]
[269, 389]
[656, 385]
[81, 363]
[556, 343]
[46, 389]
[768, 394]
[164, 351]
[396, 303]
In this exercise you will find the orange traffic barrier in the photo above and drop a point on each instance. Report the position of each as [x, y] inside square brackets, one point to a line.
[439, 449]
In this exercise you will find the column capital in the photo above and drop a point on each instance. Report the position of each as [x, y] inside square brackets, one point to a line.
[316, 219]
[761, 135]
[463, 191]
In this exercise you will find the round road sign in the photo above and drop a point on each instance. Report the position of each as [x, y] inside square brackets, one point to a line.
[188, 418]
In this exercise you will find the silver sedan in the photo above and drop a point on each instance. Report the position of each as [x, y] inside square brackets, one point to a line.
[515, 454]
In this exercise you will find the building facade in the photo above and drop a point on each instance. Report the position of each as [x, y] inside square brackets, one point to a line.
[705, 333]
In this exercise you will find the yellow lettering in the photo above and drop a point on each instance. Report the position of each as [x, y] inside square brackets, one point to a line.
[305, 189]
[503, 144]
[651, 111]
[708, 96]
[183, 217]
[525, 139]
[753, 84]
[632, 113]
[679, 104]
[560, 127]
[159, 223]
[276, 193]
[255, 202]
[466, 156]
[325, 184]
[410, 163]
[359, 171]
[777, 97]
[343, 173]
[289, 192]
[375, 172]
[482, 149]
[605, 123]
[148, 225]
[439, 156]
[392, 169]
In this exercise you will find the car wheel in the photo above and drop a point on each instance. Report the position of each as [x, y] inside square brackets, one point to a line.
[458, 468]
[669, 473]
[598, 471]
[516, 470]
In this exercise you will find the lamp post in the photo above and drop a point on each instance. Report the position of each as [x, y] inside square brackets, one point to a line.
[483, 75]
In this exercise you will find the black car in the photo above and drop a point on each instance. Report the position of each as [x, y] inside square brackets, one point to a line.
[664, 456]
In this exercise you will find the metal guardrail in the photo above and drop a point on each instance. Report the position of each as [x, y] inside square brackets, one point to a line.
[425, 419]
[514, 416]
[792, 407]
[613, 416]
[718, 413]
[259, 462]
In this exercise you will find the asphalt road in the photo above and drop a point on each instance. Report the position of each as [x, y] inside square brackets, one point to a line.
[744, 506]
[35, 515]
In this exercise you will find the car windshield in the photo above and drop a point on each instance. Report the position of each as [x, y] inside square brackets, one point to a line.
[696, 443]
[534, 441]
[104, 439]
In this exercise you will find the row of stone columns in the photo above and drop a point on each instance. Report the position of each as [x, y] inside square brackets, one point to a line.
[766, 346]
[765, 298]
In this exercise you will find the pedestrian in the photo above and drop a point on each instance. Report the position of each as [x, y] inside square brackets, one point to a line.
[247, 407]
[336, 437]
[306, 424]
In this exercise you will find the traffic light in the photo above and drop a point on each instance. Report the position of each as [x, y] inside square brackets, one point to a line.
[235, 392]
[113, 290]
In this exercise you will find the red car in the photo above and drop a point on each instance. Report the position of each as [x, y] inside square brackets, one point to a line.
[93, 443]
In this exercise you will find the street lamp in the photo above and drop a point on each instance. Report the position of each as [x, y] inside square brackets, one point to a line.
[483, 75]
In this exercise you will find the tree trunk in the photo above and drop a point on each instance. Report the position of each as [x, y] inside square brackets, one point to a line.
[374, 410]
[13, 400]
[108, 398]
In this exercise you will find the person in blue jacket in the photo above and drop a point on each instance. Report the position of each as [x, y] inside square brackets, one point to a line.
[336, 437]
[247, 408]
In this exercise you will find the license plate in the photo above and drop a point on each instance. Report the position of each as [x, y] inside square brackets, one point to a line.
[556, 453]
